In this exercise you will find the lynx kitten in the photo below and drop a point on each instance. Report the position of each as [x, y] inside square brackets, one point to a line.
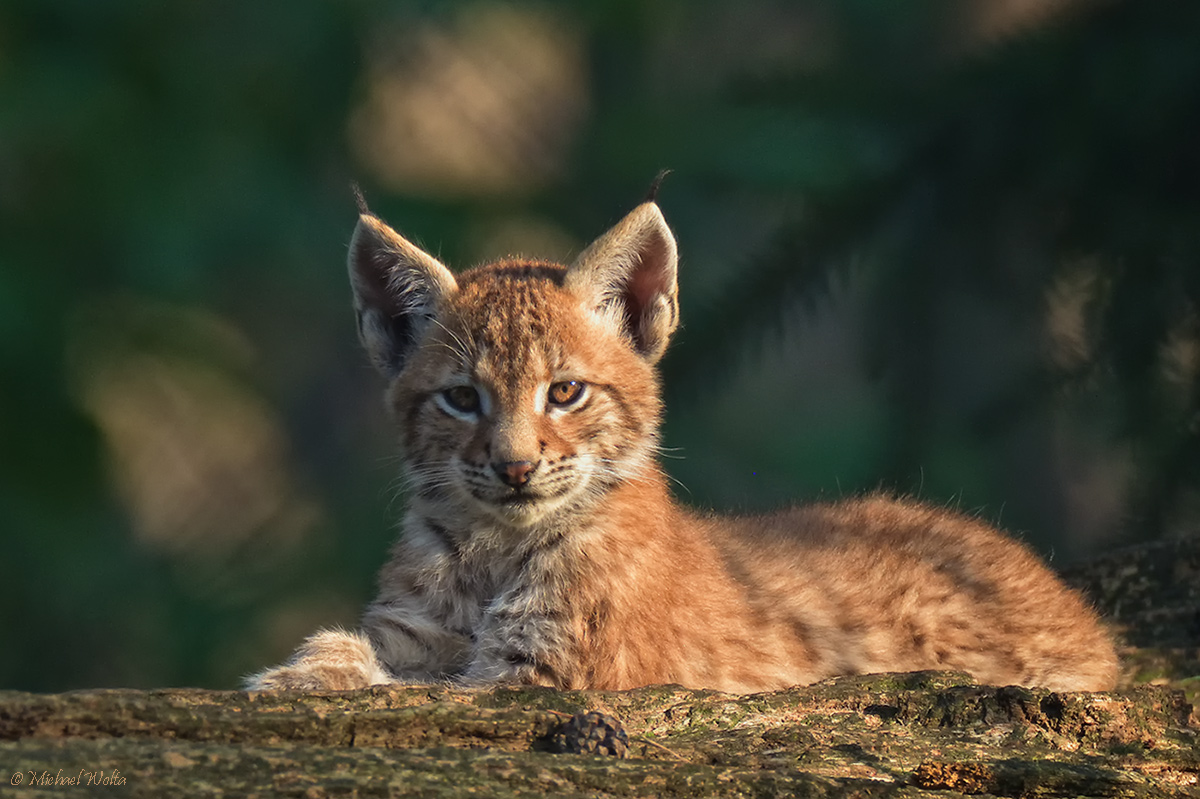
[542, 546]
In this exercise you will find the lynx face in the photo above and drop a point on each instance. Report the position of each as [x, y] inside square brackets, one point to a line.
[524, 390]
[520, 408]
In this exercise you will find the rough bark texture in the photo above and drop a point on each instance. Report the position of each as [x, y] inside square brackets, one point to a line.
[922, 734]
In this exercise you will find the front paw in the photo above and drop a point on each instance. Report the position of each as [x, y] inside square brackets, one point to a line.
[300, 678]
[518, 649]
[331, 660]
[508, 667]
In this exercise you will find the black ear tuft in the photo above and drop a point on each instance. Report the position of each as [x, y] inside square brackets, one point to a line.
[652, 195]
[359, 200]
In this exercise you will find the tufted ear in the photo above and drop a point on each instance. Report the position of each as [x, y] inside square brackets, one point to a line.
[628, 275]
[397, 288]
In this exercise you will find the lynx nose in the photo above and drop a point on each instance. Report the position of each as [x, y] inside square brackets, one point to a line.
[514, 473]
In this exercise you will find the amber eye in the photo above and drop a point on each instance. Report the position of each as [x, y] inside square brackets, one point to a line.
[567, 392]
[464, 399]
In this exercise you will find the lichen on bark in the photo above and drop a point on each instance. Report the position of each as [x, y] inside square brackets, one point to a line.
[887, 735]
[878, 735]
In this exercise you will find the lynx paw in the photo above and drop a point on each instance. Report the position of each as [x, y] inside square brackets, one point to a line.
[331, 660]
[516, 649]
[514, 668]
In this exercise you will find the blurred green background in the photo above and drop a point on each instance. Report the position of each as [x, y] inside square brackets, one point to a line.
[950, 249]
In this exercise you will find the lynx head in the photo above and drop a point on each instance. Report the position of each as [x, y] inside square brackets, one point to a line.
[524, 390]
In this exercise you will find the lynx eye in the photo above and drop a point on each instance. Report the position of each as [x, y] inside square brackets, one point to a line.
[464, 399]
[568, 392]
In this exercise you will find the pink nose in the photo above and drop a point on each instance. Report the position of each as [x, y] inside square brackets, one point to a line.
[514, 473]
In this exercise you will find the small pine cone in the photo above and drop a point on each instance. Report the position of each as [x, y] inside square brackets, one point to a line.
[594, 733]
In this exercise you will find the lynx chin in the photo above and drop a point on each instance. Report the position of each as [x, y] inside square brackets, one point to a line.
[541, 544]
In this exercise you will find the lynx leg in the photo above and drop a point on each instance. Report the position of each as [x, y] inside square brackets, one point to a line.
[519, 643]
[330, 660]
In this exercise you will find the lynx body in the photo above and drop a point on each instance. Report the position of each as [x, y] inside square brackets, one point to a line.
[541, 544]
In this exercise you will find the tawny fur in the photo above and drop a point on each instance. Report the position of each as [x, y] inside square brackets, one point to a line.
[588, 574]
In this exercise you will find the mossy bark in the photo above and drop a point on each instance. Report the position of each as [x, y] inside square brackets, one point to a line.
[1151, 594]
[882, 735]
[888, 735]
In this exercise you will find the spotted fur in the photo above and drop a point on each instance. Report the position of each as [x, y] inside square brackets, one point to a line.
[541, 544]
